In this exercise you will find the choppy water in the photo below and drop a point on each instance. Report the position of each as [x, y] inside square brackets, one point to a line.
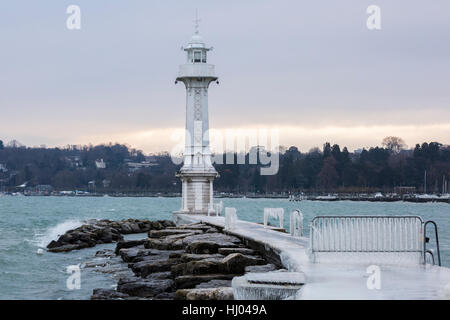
[29, 223]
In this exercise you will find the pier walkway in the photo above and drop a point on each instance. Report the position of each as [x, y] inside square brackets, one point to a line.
[339, 280]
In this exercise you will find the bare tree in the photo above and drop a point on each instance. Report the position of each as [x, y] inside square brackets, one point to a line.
[395, 144]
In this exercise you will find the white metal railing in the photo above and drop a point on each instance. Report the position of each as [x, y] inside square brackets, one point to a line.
[296, 223]
[277, 213]
[215, 208]
[230, 218]
[366, 234]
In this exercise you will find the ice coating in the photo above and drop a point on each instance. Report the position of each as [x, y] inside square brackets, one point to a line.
[341, 280]
[276, 277]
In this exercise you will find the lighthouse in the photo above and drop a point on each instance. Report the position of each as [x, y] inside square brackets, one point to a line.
[197, 173]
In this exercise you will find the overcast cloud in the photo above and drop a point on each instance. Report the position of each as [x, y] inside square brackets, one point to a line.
[310, 68]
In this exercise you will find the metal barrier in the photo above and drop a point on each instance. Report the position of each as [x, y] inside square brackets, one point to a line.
[230, 218]
[367, 234]
[296, 223]
[425, 241]
[277, 213]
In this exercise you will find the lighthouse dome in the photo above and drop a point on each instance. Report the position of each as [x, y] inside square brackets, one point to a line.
[196, 41]
[196, 38]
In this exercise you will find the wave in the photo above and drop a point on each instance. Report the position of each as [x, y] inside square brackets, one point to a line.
[53, 233]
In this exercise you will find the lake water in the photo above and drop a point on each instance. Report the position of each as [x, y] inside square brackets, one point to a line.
[29, 223]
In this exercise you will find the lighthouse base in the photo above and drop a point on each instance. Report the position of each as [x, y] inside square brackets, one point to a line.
[197, 192]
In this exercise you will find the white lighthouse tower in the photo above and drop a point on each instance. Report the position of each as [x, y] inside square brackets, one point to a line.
[197, 173]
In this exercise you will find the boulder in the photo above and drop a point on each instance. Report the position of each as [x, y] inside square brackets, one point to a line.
[128, 244]
[137, 254]
[196, 257]
[154, 276]
[165, 296]
[146, 267]
[209, 242]
[108, 294]
[261, 268]
[204, 266]
[190, 281]
[68, 247]
[103, 231]
[214, 284]
[180, 294]
[192, 226]
[223, 293]
[105, 253]
[163, 244]
[227, 251]
[170, 232]
[146, 287]
[236, 263]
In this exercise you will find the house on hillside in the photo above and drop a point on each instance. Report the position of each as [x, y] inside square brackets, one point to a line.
[100, 164]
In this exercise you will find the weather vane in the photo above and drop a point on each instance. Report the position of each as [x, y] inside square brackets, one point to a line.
[196, 21]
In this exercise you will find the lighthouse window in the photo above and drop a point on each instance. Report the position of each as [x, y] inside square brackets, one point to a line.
[197, 56]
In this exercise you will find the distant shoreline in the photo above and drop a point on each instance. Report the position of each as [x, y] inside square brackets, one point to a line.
[330, 198]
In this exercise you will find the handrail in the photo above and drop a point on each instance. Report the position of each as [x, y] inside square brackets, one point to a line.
[366, 234]
[425, 241]
[430, 252]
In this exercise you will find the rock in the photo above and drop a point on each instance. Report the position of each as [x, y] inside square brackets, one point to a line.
[176, 255]
[156, 225]
[146, 287]
[108, 265]
[160, 275]
[108, 294]
[224, 293]
[137, 254]
[196, 257]
[147, 267]
[167, 223]
[193, 226]
[154, 276]
[204, 266]
[261, 268]
[165, 296]
[128, 244]
[214, 284]
[190, 281]
[67, 248]
[209, 242]
[170, 232]
[163, 244]
[106, 253]
[180, 294]
[103, 231]
[236, 263]
[227, 251]
[53, 244]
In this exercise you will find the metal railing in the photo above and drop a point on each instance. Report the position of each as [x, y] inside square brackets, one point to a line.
[425, 241]
[367, 234]
[296, 223]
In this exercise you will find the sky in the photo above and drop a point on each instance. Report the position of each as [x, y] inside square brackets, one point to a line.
[310, 69]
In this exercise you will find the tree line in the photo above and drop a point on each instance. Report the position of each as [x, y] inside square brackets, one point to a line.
[329, 169]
